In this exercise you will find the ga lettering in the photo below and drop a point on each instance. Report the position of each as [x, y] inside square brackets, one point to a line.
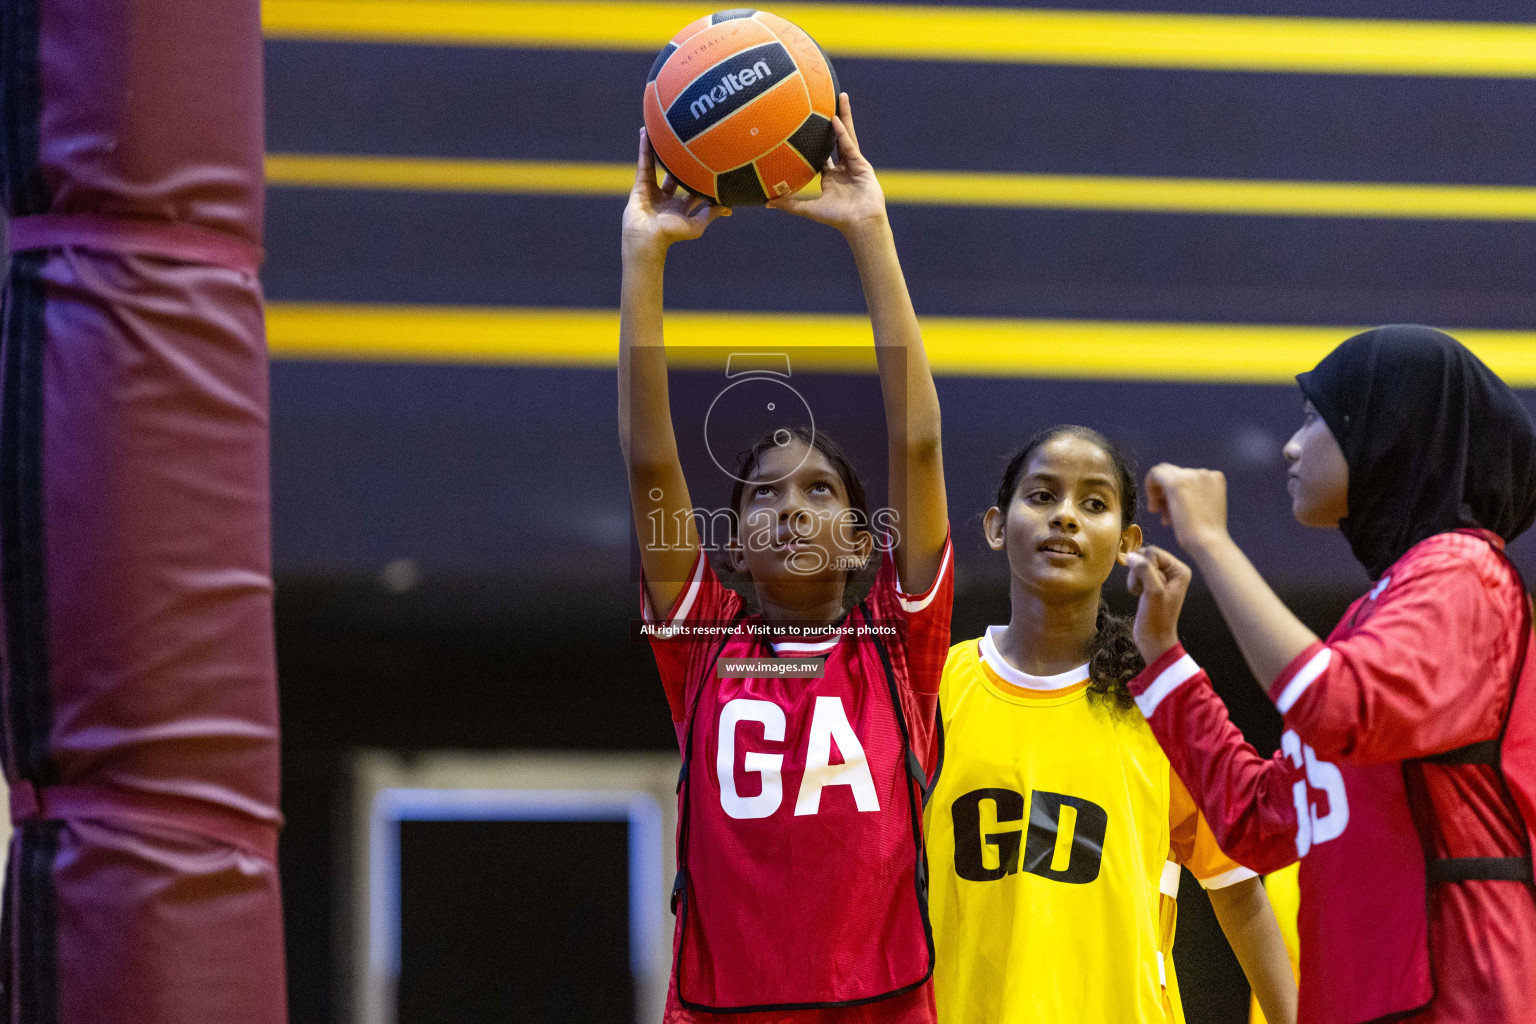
[1064, 842]
[828, 722]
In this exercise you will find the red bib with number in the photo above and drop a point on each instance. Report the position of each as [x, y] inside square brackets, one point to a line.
[1365, 879]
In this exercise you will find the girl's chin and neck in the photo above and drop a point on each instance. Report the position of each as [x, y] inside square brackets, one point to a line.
[1051, 598]
[1051, 627]
[1327, 514]
[809, 600]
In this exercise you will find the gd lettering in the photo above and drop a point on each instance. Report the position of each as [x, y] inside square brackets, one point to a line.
[1065, 840]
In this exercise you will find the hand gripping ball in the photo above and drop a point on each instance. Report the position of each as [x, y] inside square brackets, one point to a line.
[738, 107]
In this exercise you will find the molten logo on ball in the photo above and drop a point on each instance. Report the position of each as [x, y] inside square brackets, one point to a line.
[739, 106]
[729, 86]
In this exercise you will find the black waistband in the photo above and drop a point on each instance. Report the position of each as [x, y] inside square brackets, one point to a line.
[1486, 752]
[1481, 869]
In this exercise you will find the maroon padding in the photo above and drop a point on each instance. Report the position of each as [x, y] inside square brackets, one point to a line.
[172, 240]
[137, 807]
[140, 700]
[152, 108]
[160, 635]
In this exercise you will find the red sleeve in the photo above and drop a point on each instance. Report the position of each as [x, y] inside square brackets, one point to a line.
[921, 620]
[1428, 669]
[921, 643]
[1247, 800]
[691, 629]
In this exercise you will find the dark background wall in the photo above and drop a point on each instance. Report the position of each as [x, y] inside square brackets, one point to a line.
[453, 541]
[493, 609]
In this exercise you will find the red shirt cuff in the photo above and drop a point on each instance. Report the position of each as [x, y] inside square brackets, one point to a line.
[695, 577]
[1300, 674]
[1149, 675]
[917, 602]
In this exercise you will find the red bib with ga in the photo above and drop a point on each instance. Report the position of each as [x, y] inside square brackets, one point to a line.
[1364, 920]
[801, 881]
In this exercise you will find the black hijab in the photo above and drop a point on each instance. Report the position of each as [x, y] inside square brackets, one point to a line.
[1434, 439]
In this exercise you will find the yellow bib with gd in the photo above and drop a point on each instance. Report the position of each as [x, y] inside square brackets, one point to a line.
[1047, 834]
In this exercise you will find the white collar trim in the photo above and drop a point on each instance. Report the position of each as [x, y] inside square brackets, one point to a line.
[802, 647]
[997, 663]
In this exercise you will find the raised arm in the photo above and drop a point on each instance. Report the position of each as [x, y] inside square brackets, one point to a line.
[1249, 801]
[1392, 689]
[851, 201]
[1194, 503]
[656, 217]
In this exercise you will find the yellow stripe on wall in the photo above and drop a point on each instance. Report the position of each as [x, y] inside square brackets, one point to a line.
[945, 188]
[1108, 39]
[956, 346]
[431, 174]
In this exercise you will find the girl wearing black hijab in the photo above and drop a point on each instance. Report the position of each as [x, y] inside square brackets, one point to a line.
[1406, 779]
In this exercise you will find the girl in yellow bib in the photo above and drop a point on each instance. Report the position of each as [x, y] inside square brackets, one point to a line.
[1055, 826]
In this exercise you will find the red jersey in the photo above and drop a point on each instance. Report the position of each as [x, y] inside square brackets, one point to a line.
[917, 643]
[1422, 665]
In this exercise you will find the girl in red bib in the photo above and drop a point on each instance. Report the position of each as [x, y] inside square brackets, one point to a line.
[801, 894]
[1406, 778]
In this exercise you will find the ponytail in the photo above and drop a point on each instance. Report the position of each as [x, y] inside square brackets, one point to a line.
[1113, 661]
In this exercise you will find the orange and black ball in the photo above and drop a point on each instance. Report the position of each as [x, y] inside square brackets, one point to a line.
[738, 107]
